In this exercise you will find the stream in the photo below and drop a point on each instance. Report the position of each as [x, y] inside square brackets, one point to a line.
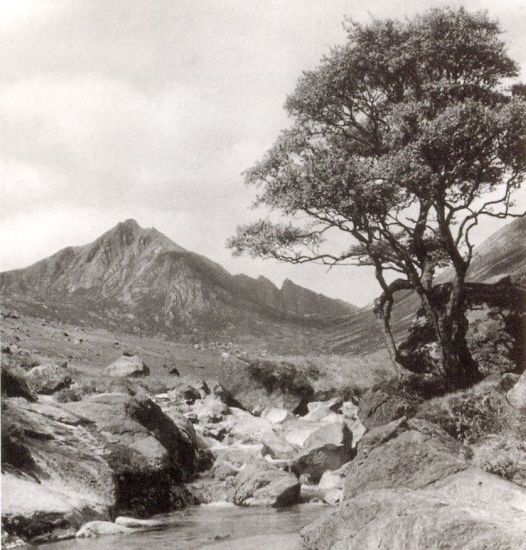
[214, 527]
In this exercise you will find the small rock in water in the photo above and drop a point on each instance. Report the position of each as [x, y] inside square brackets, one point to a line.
[99, 528]
[134, 523]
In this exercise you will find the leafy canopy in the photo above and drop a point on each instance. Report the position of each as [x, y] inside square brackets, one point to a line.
[401, 138]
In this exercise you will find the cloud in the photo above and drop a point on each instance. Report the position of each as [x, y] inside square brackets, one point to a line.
[126, 108]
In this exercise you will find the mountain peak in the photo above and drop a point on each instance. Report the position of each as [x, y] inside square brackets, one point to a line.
[130, 223]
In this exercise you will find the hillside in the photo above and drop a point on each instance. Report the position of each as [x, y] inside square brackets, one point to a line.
[140, 280]
[502, 254]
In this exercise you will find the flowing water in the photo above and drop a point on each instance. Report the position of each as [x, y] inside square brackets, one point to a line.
[213, 527]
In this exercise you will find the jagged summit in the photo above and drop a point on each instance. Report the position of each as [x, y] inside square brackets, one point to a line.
[139, 277]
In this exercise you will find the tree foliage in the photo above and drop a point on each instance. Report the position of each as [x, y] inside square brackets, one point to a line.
[402, 138]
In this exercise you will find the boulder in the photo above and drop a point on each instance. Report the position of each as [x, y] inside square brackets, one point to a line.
[130, 366]
[332, 479]
[185, 393]
[216, 485]
[65, 464]
[276, 446]
[246, 428]
[333, 497]
[258, 384]
[296, 431]
[275, 415]
[49, 378]
[260, 484]
[410, 454]
[14, 384]
[101, 528]
[469, 510]
[315, 462]
[148, 453]
[349, 411]
[336, 433]
[318, 410]
[209, 410]
[378, 407]
[517, 394]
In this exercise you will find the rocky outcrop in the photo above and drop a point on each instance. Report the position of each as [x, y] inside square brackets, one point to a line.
[65, 464]
[409, 454]
[148, 453]
[260, 484]
[257, 385]
[131, 366]
[469, 510]
[49, 378]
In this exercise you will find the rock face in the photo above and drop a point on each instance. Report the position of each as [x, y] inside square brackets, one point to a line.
[260, 484]
[257, 385]
[49, 378]
[469, 510]
[409, 454]
[67, 464]
[128, 366]
[411, 486]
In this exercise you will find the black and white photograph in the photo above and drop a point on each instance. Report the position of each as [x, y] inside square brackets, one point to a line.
[263, 274]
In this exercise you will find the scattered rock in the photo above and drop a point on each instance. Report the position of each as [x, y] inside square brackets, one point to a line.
[49, 378]
[333, 497]
[332, 479]
[275, 415]
[128, 366]
[257, 384]
[187, 393]
[260, 484]
[320, 459]
[336, 433]
[319, 410]
[276, 446]
[210, 410]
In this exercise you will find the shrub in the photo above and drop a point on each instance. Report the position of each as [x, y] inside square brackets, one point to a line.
[469, 415]
[503, 455]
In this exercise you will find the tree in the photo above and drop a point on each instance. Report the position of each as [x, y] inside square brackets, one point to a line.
[401, 139]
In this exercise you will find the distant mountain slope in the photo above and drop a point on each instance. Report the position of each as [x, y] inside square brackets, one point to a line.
[138, 278]
[502, 254]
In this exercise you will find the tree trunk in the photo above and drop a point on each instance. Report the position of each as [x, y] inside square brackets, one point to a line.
[460, 369]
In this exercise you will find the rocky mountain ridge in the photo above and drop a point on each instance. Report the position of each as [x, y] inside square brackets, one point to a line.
[140, 279]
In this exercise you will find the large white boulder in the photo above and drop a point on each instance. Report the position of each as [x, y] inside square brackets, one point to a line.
[128, 366]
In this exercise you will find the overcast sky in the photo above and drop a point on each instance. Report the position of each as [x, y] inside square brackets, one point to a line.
[151, 109]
